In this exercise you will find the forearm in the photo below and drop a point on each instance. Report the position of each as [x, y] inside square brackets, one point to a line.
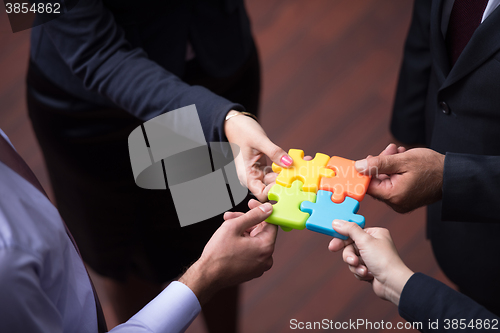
[201, 280]
[470, 188]
[97, 52]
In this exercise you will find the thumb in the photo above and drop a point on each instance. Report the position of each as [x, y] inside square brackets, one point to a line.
[385, 164]
[352, 230]
[252, 217]
[275, 153]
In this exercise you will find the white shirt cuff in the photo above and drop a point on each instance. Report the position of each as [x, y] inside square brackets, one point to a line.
[172, 311]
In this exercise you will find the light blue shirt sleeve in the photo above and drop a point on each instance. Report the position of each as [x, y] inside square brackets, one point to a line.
[172, 311]
[44, 287]
[26, 307]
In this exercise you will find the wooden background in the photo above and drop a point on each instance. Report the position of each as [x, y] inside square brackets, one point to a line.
[329, 75]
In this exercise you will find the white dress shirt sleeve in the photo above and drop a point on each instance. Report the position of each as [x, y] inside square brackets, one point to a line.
[172, 311]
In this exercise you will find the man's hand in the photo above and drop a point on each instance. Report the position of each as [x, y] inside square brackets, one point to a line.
[251, 165]
[240, 250]
[372, 256]
[405, 180]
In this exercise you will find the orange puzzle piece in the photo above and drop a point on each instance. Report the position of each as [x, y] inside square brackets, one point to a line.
[308, 172]
[346, 182]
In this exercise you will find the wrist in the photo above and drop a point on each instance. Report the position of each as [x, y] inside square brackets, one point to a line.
[237, 124]
[234, 113]
[395, 283]
[229, 125]
[442, 158]
[201, 279]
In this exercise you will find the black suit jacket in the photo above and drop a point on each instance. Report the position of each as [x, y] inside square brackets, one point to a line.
[131, 54]
[456, 111]
[439, 308]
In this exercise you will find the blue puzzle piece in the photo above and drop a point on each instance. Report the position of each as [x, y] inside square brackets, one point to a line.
[324, 211]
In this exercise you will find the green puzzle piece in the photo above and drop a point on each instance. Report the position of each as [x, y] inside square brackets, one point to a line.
[286, 213]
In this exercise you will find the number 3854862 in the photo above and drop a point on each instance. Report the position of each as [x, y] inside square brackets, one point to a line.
[25, 7]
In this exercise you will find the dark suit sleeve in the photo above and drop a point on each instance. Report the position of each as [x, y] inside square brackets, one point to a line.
[408, 122]
[425, 299]
[470, 188]
[95, 49]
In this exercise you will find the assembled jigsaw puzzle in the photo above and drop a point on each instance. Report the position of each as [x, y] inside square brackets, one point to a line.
[311, 194]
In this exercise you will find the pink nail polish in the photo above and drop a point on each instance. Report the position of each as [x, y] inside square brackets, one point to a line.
[286, 160]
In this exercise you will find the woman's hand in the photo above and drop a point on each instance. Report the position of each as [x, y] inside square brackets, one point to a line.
[251, 164]
[372, 256]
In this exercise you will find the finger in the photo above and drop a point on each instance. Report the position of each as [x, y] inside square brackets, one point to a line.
[268, 233]
[231, 215]
[350, 257]
[252, 231]
[337, 244]
[387, 164]
[382, 176]
[253, 203]
[258, 188]
[251, 218]
[269, 263]
[360, 271]
[308, 158]
[373, 187]
[380, 233]
[267, 169]
[275, 153]
[270, 178]
[352, 230]
[391, 149]
[265, 193]
[384, 189]
[356, 250]
[401, 149]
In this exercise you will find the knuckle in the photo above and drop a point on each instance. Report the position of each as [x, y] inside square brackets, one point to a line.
[275, 152]
[269, 263]
[396, 199]
[267, 251]
[259, 273]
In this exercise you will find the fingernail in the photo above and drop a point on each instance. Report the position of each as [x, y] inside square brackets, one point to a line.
[286, 160]
[350, 260]
[388, 146]
[266, 208]
[361, 165]
[338, 223]
[360, 270]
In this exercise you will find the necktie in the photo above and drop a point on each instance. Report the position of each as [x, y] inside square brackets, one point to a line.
[12, 159]
[465, 17]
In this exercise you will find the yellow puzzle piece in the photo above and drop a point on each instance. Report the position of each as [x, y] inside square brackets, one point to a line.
[308, 172]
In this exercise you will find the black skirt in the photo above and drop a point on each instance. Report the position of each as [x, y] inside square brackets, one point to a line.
[120, 228]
